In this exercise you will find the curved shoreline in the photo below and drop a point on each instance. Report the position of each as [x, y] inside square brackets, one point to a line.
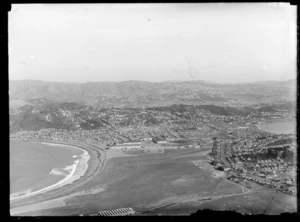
[78, 169]
[98, 157]
[262, 127]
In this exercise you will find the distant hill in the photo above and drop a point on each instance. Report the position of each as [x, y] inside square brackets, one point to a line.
[140, 94]
[17, 103]
[288, 106]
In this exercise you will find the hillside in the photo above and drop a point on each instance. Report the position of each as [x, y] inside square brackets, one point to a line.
[70, 115]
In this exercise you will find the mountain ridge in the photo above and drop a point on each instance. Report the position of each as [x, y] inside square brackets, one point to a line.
[142, 93]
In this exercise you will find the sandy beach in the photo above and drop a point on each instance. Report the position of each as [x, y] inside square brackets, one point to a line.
[74, 172]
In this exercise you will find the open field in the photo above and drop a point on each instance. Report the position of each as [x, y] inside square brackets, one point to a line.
[155, 176]
[282, 202]
[252, 202]
[226, 188]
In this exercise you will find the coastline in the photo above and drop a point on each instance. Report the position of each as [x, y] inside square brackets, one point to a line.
[261, 126]
[76, 170]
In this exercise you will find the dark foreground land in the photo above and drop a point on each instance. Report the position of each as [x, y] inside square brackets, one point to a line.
[167, 183]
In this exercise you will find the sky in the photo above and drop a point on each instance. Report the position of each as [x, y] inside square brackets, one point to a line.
[216, 42]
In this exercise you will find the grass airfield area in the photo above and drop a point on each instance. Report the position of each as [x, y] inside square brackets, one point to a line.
[166, 183]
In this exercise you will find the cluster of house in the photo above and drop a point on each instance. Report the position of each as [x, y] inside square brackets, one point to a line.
[286, 188]
[263, 172]
[271, 165]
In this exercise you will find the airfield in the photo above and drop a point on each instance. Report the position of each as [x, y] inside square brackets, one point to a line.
[153, 182]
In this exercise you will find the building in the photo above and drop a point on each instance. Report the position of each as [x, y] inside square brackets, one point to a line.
[130, 143]
[159, 140]
[125, 146]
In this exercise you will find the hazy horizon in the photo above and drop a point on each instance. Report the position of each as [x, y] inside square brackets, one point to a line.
[215, 42]
[132, 80]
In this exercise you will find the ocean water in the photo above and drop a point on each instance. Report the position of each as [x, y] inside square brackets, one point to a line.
[279, 127]
[34, 166]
